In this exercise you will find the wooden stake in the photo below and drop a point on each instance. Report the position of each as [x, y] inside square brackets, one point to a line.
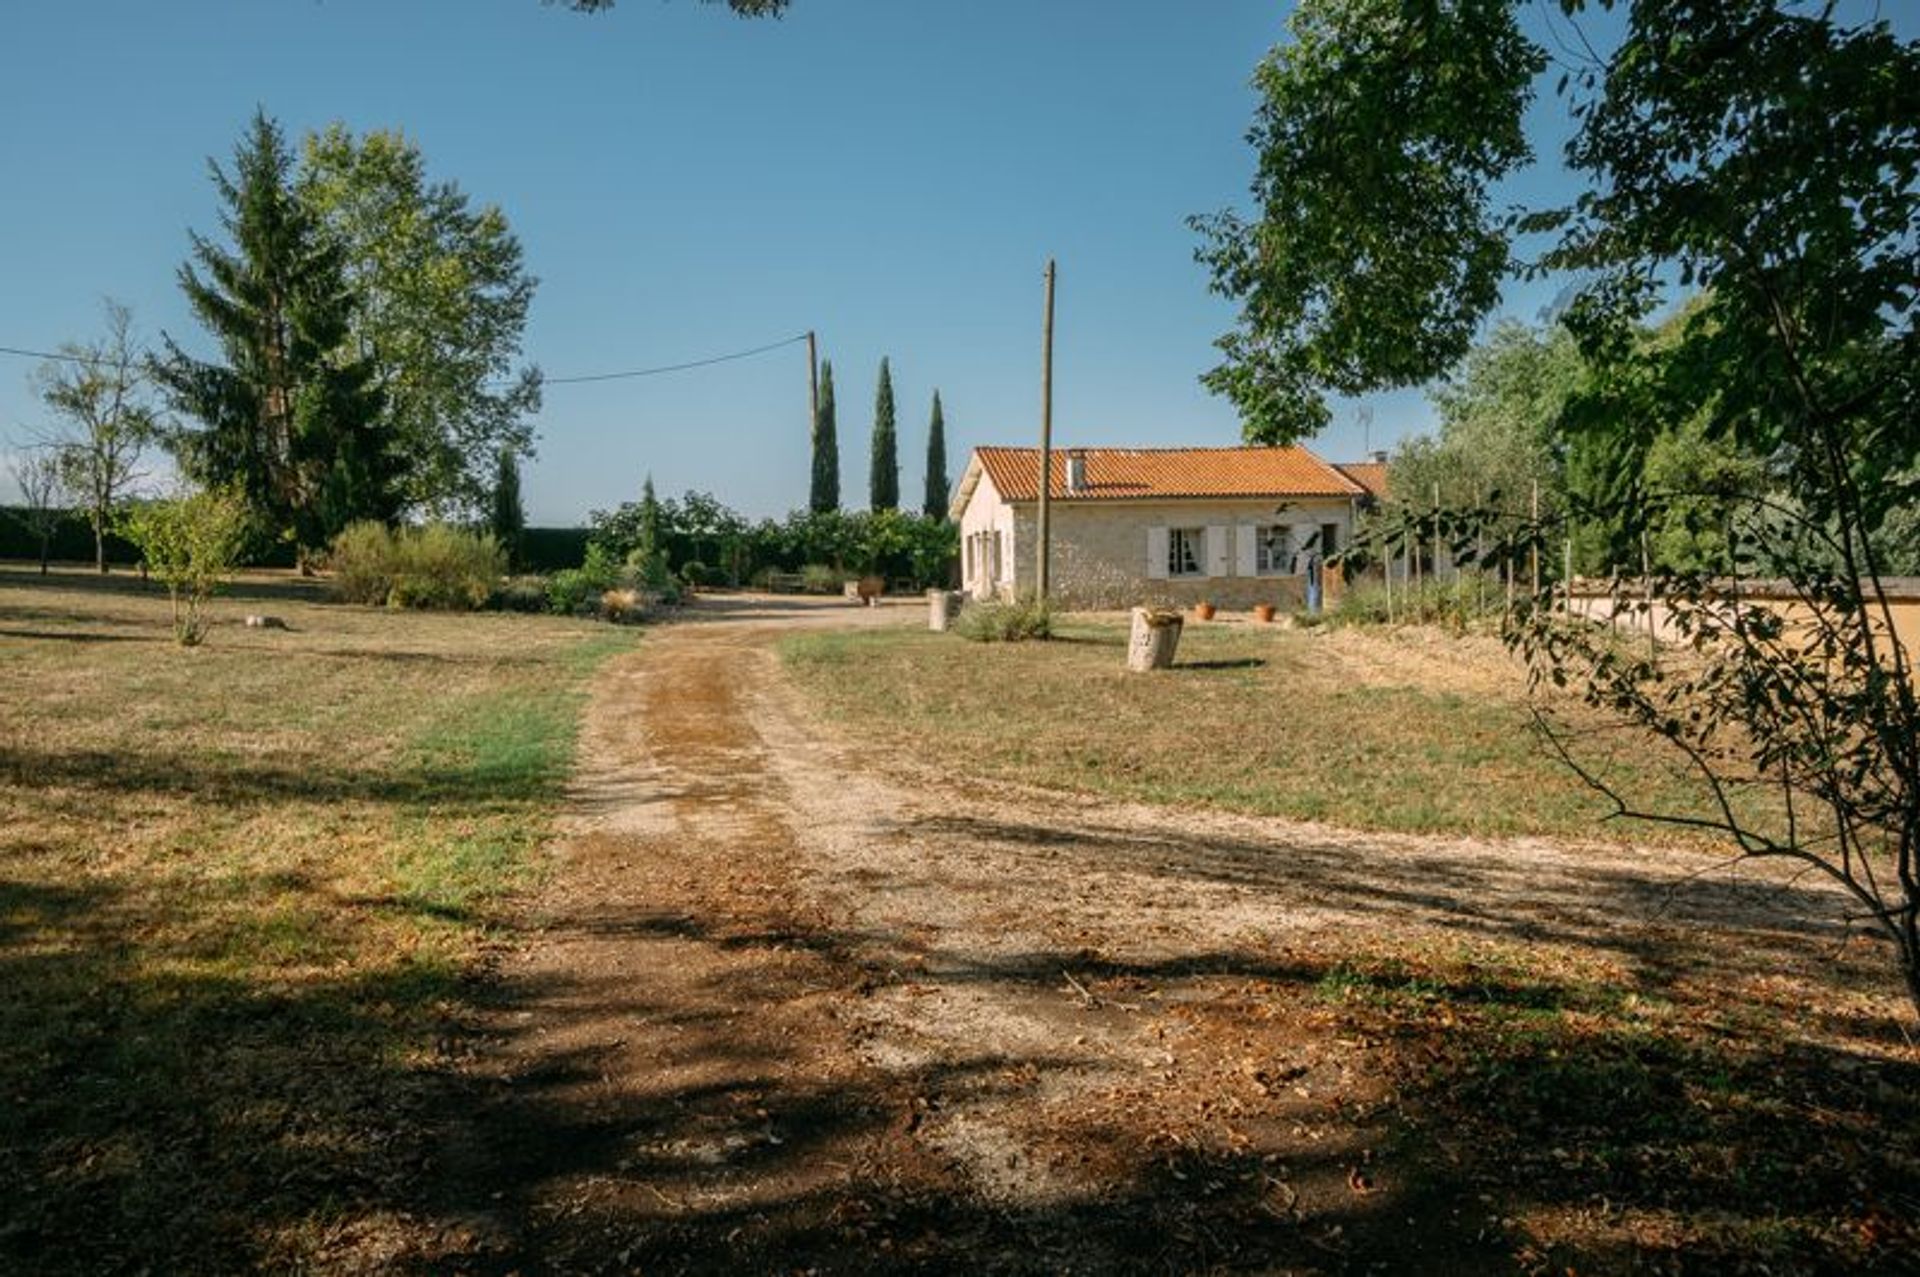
[1646, 589]
[1533, 541]
[1567, 589]
[1386, 573]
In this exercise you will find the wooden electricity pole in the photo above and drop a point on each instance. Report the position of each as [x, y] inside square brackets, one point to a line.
[813, 384]
[1042, 575]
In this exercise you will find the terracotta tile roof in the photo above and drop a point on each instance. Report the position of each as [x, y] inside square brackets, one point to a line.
[1371, 475]
[1140, 473]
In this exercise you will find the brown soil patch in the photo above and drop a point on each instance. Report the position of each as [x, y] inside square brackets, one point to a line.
[790, 1006]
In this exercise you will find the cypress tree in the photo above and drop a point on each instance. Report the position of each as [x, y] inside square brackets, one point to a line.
[508, 517]
[824, 494]
[935, 505]
[291, 414]
[883, 479]
[650, 552]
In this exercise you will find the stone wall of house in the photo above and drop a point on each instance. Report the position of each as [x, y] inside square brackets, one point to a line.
[1100, 551]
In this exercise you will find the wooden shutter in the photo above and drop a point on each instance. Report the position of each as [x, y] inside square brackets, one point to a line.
[1156, 554]
[1218, 561]
[1246, 541]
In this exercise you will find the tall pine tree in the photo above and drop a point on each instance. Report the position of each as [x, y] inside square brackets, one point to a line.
[824, 494]
[883, 477]
[289, 412]
[935, 505]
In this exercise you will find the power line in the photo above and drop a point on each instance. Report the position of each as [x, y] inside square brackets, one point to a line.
[666, 368]
[545, 381]
[48, 354]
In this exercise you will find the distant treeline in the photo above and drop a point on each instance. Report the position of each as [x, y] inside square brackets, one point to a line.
[542, 549]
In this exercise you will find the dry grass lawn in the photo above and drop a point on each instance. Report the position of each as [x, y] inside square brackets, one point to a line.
[242, 891]
[1408, 731]
[1684, 1095]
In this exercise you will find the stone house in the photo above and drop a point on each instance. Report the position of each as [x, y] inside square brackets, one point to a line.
[1158, 525]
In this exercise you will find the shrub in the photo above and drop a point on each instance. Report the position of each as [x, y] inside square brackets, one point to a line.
[1454, 603]
[191, 545]
[520, 594]
[696, 574]
[818, 578]
[437, 567]
[623, 606]
[363, 560]
[577, 591]
[1027, 618]
[444, 568]
[572, 592]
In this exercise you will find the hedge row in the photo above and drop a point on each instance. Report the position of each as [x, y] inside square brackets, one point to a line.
[541, 549]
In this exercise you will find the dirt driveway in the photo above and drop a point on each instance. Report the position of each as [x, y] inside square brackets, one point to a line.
[790, 1005]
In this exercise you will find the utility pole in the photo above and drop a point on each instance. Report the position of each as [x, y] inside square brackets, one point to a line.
[1046, 442]
[813, 384]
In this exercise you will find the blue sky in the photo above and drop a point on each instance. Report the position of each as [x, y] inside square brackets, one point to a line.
[890, 173]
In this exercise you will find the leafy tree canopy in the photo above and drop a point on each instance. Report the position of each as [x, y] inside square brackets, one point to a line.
[1759, 154]
[102, 395]
[442, 299]
[1499, 418]
[1374, 250]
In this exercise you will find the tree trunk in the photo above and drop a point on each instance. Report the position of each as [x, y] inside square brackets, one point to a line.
[1910, 968]
[100, 541]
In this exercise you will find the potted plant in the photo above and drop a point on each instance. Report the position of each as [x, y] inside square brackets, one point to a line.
[1263, 612]
[1204, 609]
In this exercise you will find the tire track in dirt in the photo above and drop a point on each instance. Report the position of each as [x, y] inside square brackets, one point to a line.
[668, 1088]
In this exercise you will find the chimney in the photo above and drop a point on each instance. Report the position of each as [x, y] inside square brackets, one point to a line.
[1076, 470]
[1378, 456]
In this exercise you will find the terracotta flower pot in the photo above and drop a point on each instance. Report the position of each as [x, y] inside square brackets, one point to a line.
[1263, 612]
[1203, 610]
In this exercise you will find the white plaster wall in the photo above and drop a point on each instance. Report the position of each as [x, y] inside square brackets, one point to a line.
[985, 512]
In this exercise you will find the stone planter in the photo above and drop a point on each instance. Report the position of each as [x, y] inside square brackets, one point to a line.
[1154, 637]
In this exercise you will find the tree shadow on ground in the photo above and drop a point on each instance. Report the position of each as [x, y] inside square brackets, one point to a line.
[289, 589]
[177, 1120]
[1512, 1092]
[1664, 923]
[167, 1114]
[52, 777]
